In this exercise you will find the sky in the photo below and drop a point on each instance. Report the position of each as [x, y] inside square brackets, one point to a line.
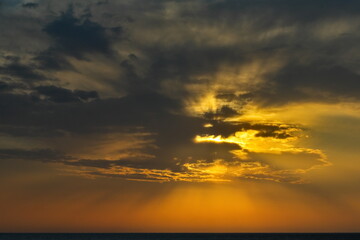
[179, 116]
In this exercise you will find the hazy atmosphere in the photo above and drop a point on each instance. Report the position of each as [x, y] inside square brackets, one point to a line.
[180, 116]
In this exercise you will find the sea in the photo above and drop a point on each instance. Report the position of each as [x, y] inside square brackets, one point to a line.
[179, 236]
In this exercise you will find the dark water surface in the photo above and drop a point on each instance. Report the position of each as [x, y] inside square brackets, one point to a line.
[179, 236]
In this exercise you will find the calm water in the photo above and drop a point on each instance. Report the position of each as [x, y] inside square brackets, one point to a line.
[180, 236]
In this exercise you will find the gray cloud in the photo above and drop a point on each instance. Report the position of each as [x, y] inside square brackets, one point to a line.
[24, 72]
[61, 95]
[44, 155]
[30, 5]
[75, 36]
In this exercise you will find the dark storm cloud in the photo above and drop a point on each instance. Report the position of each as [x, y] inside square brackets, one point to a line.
[8, 86]
[4, 86]
[179, 63]
[51, 59]
[30, 5]
[123, 111]
[75, 36]
[222, 113]
[315, 82]
[63, 95]
[183, 62]
[24, 72]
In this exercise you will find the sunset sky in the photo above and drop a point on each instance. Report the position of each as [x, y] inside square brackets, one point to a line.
[180, 116]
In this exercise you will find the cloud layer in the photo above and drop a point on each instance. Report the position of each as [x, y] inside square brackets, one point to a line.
[162, 90]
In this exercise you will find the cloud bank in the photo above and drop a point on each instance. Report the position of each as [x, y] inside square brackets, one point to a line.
[161, 91]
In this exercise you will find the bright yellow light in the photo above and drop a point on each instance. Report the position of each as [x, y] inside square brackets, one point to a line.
[248, 140]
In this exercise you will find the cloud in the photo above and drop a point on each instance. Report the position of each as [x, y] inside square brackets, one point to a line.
[30, 5]
[75, 37]
[8, 86]
[62, 95]
[223, 112]
[195, 171]
[225, 129]
[168, 155]
[318, 82]
[21, 71]
[167, 69]
[44, 155]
